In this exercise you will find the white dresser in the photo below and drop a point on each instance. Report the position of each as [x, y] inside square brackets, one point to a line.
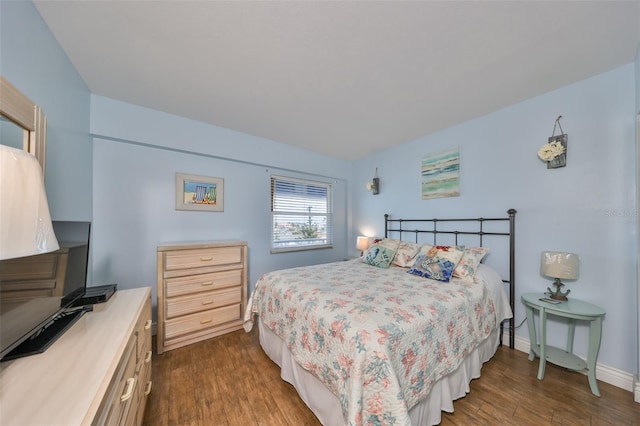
[97, 372]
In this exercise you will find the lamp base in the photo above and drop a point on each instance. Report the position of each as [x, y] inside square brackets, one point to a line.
[558, 294]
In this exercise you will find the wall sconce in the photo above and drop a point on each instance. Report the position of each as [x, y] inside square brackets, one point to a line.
[374, 185]
[558, 265]
[362, 243]
[554, 152]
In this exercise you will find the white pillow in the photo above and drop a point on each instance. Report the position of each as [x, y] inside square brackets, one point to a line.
[466, 268]
[406, 254]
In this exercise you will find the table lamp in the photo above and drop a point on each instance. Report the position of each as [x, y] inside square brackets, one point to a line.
[559, 266]
[25, 222]
[362, 244]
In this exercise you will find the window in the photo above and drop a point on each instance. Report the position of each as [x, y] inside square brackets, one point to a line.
[301, 214]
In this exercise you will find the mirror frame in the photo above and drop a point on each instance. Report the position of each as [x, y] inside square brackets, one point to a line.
[19, 109]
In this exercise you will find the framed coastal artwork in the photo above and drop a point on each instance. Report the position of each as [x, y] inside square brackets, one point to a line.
[199, 193]
[441, 174]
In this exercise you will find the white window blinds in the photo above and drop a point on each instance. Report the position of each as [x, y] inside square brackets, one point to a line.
[301, 214]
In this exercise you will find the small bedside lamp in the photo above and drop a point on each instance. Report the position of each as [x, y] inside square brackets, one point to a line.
[362, 244]
[559, 266]
[25, 222]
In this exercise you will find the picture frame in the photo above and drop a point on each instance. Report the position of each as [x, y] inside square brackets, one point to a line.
[199, 193]
[441, 174]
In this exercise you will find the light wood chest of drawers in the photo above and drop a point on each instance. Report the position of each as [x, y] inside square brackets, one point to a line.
[202, 291]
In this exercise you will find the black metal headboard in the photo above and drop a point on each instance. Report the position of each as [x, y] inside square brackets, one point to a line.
[454, 228]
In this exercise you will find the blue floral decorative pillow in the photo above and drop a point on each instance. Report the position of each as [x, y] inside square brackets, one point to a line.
[381, 253]
[437, 262]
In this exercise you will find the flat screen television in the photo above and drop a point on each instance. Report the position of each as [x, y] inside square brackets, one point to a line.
[36, 292]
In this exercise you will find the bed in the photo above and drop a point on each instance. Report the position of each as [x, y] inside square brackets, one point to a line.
[364, 344]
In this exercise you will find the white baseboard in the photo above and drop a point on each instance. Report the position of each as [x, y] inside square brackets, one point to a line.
[636, 392]
[613, 376]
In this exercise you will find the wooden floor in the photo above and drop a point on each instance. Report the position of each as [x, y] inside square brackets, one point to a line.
[229, 380]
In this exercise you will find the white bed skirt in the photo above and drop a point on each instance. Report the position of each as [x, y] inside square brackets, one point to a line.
[326, 406]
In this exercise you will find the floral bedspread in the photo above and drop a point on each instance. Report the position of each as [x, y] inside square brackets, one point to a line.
[377, 338]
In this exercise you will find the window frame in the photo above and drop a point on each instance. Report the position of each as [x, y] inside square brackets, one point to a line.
[328, 214]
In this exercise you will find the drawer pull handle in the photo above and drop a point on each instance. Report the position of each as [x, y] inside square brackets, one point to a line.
[147, 390]
[128, 390]
[207, 283]
[147, 325]
[206, 259]
[205, 321]
[207, 302]
[147, 359]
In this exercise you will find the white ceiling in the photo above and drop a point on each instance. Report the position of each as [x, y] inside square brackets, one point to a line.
[342, 78]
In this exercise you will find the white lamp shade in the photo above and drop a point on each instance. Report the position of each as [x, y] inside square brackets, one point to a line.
[561, 265]
[362, 243]
[25, 222]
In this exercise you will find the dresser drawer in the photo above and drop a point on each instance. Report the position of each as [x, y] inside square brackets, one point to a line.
[20, 292]
[144, 386]
[121, 390]
[17, 297]
[31, 277]
[181, 286]
[203, 301]
[143, 333]
[201, 321]
[29, 268]
[198, 258]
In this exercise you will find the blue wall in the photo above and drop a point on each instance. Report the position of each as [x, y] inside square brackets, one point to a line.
[122, 178]
[587, 207]
[33, 61]
[138, 151]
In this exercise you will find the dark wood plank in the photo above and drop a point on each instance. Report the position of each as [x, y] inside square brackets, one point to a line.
[229, 381]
